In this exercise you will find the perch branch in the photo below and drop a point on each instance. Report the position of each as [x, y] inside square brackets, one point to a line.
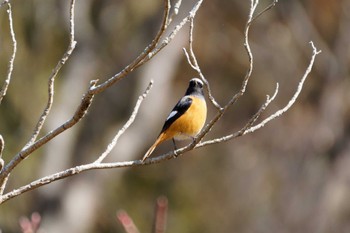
[247, 126]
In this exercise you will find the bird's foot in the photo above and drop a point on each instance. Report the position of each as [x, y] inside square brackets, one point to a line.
[175, 154]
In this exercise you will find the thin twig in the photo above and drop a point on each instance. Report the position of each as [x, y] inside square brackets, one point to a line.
[14, 49]
[31, 146]
[140, 59]
[2, 146]
[246, 130]
[278, 113]
[173, 33]
[78, 115]
[51, 83]
[264, 10]
[177, 6]
[249, 52]
[77, 169]
[246, 127]
[192, 60]
[126, 125]
[165, 23]
[234, 99]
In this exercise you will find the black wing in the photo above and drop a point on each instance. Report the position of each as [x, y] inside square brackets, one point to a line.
[179, 109]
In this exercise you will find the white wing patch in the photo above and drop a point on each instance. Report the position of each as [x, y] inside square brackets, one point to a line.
[171, 114]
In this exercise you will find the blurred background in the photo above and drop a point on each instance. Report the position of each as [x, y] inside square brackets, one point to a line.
[291, 176]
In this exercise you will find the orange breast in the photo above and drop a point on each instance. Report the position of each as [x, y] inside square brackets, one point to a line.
[191, 122]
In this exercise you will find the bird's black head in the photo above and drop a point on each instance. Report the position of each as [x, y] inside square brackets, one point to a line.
[195, 87]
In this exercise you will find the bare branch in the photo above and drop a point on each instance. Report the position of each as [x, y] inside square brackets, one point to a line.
[253, 5]
[58, 176]
[14, 49]
[173, 33]
[78, 115]
[2, 146]
[222, 111]
[126, 125]
[141, 58]
[95, 89]
[177, 7]
[75, 170]
[249, 128]
[192, 60]
[3, 185]
[248, 124]
[264, 10]
[315, 52]
[51, 83]
[149, 52]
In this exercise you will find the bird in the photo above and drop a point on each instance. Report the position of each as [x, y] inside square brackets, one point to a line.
[186, 119]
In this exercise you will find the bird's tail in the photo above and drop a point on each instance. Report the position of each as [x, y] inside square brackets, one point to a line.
[151, 149]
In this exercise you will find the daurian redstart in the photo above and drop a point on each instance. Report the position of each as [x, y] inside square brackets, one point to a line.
[186, 119]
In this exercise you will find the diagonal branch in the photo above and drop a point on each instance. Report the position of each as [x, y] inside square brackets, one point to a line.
[78, 115]
[247, 126]
[140, 59]
[173, 33]
[278, 113]
[75, 170]
[250, 129]
[126, 125]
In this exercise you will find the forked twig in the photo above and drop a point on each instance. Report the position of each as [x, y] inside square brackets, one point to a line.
[51, 83]
[192, 60]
